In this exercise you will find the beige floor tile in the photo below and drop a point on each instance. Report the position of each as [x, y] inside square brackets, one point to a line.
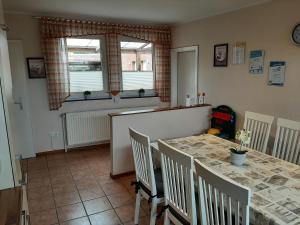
[64, 187]
[113, 189]
[56, 171]
[67, 198]
[40, 192]
[81, 174]
[42, 204]
[57, 163]
[70, 212]
[105, 218]
[120, 199]
[143, 221]
[97, 205]
[104, 179]
[38, 174]
[62, 178]
[39, 182]
[79, 221]
[47, 217]
[126, 213]
[91, 193]
[86, 183]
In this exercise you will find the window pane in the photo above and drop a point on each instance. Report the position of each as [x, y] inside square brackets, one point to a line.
[137, 65]
[85, 65]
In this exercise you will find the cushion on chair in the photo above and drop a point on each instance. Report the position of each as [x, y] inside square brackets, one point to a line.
[159, 182]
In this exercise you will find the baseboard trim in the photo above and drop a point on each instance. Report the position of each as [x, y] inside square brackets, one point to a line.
[82, 148]
[122, 174]
[39, 154]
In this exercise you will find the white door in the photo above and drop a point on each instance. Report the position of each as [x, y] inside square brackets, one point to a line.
[184, 75]
[21, 122]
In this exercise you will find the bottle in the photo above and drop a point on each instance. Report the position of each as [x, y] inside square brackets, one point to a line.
[187, 101]
[200, 99]
[203, 98]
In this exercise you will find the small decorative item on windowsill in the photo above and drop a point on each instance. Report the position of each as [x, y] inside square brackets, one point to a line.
[141, 93]
[86, 94]
[201, 98]
[115, 95]
[238, 155]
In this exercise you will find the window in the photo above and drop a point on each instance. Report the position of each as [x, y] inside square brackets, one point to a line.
[86, 66]
[137, 66]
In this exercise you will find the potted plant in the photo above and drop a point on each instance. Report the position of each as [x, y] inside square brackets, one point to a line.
[238, 155]
[86, 94]
[141, 92]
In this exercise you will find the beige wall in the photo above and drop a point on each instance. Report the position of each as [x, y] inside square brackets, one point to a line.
[266, 27]
[45, 122]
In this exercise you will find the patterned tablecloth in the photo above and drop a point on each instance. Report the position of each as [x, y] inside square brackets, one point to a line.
[275, 183]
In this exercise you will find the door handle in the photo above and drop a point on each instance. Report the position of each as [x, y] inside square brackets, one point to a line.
[19, 103]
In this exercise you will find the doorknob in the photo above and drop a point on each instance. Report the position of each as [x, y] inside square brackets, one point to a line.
[19, 103]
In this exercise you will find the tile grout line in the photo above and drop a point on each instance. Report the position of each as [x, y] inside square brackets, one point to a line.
[80, 196]
[52, 191]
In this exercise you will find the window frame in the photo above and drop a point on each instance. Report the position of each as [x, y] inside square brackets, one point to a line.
[135, 93]
[104, 94]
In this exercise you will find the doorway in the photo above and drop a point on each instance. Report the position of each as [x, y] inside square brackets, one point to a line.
[184, 72]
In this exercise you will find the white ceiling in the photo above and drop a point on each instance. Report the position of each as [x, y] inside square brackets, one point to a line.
[152, 11]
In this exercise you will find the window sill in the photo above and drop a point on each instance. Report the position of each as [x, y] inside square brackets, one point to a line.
[145, 96]
[107, 98]
[89, 99]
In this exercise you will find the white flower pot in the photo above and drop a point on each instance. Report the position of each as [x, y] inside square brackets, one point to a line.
[237, 159]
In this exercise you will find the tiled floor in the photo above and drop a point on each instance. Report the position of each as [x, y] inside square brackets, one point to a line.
[76, 189]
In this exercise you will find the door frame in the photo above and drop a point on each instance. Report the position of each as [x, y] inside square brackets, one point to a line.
[174, 72]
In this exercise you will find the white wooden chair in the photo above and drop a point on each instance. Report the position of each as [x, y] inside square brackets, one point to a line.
[177, 169]
[221, 201]
[287, 141]
[149, 184]
[260, 127]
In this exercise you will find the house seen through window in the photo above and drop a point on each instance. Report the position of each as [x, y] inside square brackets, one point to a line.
[85, 65]
[137, 66]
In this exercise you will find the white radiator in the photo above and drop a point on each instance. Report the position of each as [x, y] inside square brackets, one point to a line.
[82, 128]
[90, 127]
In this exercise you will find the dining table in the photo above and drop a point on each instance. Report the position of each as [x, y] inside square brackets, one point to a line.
[274, 183]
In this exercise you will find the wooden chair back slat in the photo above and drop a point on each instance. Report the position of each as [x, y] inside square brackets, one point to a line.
[220, 197]
[143, 160]
[287, 141]
[177, 169]
[260, 127]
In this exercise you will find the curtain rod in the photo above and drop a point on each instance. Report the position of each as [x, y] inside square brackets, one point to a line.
[107, 22]
[36, 17]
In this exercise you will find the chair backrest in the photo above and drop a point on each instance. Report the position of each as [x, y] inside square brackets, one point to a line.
[221, 200]
[287, 141]
[177, 170]
[260, 127]
[143, 160]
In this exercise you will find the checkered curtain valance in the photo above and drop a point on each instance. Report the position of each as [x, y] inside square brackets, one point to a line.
[55, 30]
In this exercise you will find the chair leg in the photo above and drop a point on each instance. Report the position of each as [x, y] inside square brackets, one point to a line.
[166, 218]
[153, 211]
[137, 208]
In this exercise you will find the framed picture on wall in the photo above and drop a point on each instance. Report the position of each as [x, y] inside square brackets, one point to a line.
[36, 68]
[221, 55]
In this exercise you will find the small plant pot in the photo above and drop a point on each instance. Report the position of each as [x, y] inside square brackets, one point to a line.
[86, 95]
[237, 159]
[141, 93]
